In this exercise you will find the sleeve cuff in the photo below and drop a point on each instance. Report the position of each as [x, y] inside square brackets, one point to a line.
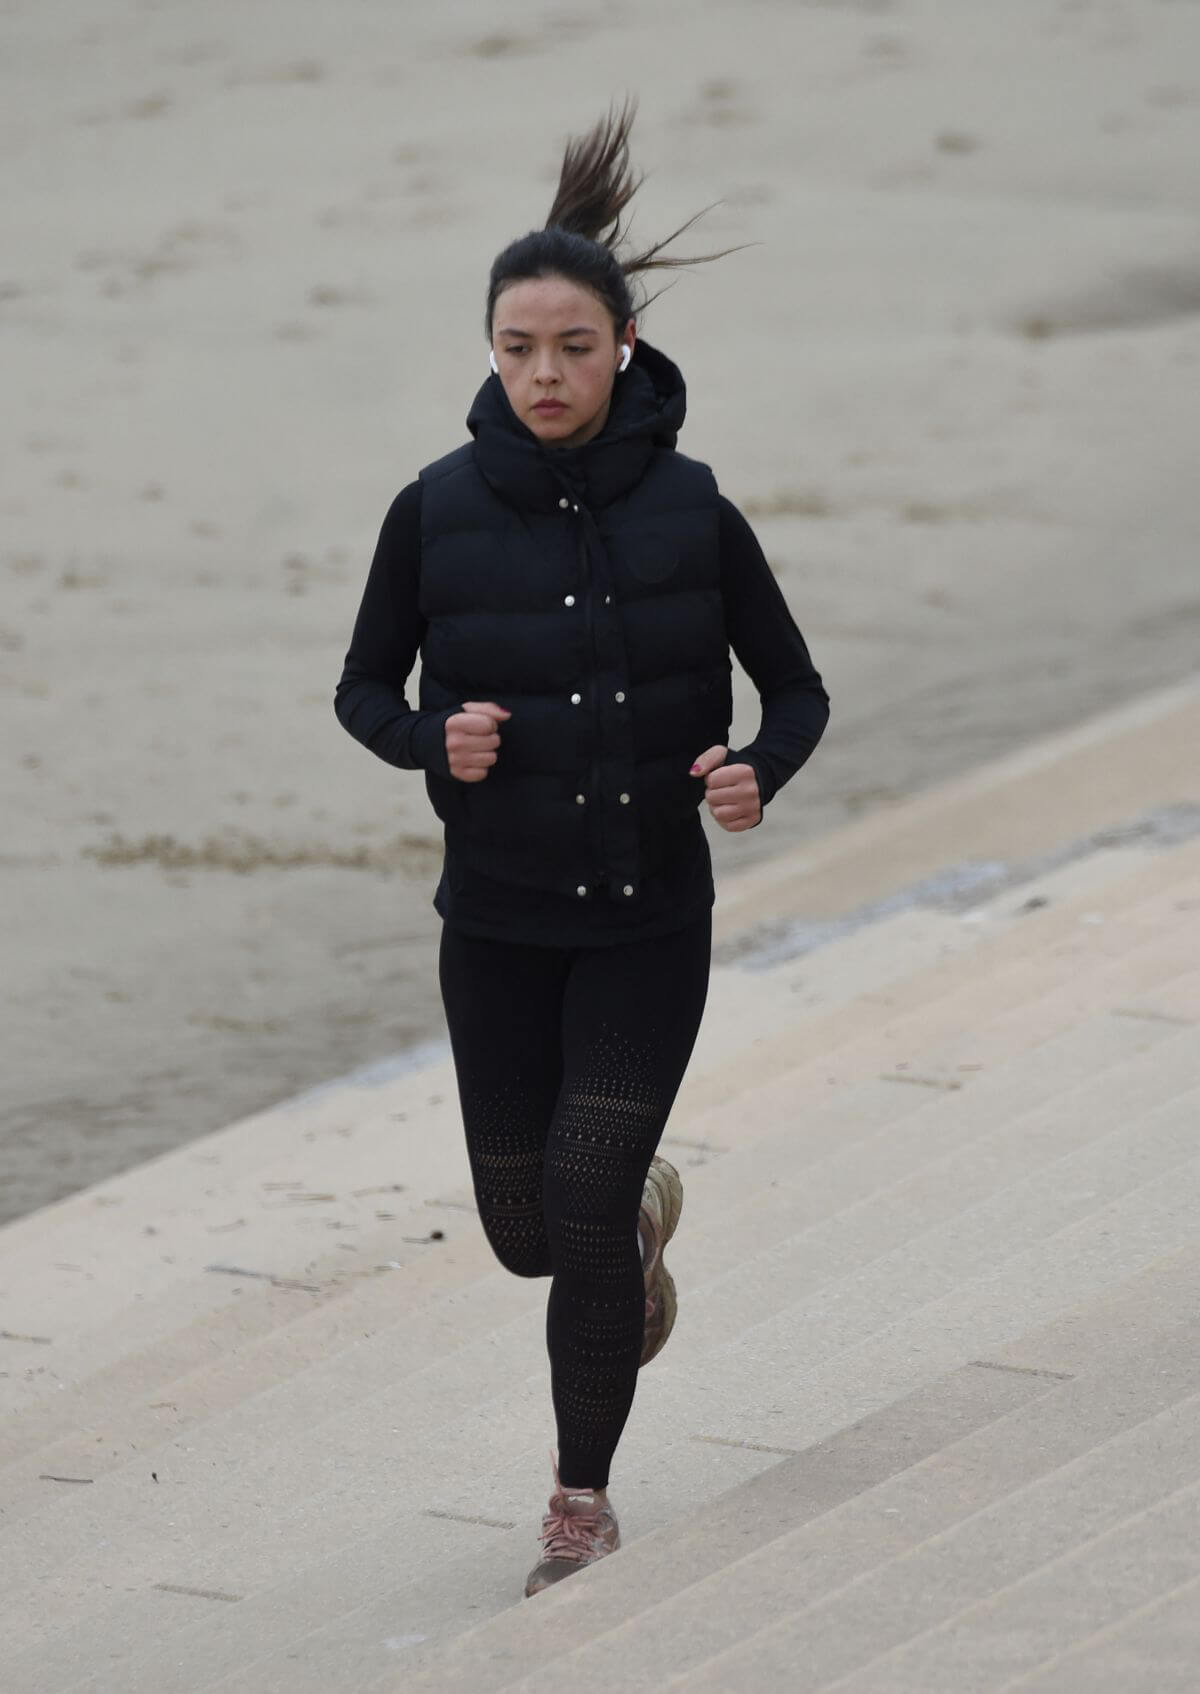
[428, 741]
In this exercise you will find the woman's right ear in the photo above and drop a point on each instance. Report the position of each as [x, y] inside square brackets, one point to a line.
[492, 362]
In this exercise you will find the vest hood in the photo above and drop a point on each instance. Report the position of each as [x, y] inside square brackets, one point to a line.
[648, 407]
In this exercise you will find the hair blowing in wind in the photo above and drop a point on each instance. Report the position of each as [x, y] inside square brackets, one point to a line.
[582, 234]
[596, 184]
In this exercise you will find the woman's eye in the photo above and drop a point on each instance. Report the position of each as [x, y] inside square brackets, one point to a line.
[578, 349]
[516, 349]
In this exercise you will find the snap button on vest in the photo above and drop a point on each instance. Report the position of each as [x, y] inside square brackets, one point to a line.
[580, 799]
[568, 599]
[575, 699]
[581, 889]
[624, 799]
[564, 502]
[618, 696]
[629, 888]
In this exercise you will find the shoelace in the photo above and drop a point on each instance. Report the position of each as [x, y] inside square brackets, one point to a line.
[652, 1255]
[569, 1534]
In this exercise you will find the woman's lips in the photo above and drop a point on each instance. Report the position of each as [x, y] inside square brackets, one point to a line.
[550, 406]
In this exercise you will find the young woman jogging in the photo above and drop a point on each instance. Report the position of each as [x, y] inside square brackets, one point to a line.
[574, 586]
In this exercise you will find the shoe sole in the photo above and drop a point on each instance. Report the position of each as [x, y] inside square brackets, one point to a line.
[670, 1187]
[667, 1183]
[666, 1180]
[669, 1307]
[551, 1571]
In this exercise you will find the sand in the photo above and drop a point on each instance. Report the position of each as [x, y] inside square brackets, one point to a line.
[954, 386]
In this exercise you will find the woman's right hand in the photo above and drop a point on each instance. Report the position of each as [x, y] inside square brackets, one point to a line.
[472, 737]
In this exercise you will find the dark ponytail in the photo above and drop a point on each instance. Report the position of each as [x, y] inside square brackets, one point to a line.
[583, 230]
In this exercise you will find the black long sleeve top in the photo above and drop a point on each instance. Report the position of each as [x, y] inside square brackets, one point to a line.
[371, 705]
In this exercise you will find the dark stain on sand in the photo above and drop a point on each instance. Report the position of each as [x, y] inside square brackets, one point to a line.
[244, 853]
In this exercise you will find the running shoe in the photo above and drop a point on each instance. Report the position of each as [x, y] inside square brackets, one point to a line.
[662, 1202]
[577, 1530]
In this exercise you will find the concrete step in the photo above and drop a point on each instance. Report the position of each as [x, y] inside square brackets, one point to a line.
[238, 1310]
[174, 1182]
[840, 1470]
[298, 1468]
[1041, 1020]
[1158, 1647]
[149, 1228]
[194, 1301]
[292, 1471]
[870, 952]
[340, 1112]
[954, 1144]
[278, 1232]
[134, 1638]
[875, 1336]
[1113, 768]
[746, 1001]
[179, 1341]
[962, 990]
[173, 1408]
[809, 1525]
[948, 1044]
[1147, 1556]
[1093, 872]
[212, 1174]
[1149, 1469]
[874, 1111]
[369, 1352]
[389, 1621]
[881, 1118]
[937, 1166]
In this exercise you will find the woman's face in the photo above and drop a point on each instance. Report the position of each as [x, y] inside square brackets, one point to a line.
[558, 356]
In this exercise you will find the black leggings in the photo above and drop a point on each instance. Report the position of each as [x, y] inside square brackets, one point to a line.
[568, 1061]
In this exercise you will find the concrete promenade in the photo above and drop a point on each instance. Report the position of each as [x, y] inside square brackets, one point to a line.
[929, 1421]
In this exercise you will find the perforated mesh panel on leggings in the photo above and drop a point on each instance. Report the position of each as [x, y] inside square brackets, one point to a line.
[568, 1062]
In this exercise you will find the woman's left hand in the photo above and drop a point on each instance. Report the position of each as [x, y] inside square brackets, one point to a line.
[731, 790]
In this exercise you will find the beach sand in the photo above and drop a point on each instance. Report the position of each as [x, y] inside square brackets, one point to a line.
[953, 385]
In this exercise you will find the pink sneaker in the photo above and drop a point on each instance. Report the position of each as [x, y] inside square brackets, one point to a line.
[662, 1202]
[577, 1530]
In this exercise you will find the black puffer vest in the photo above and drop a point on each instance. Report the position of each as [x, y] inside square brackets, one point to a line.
[580, 588]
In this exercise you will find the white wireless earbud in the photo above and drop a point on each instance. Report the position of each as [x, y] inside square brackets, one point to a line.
[492, 362]
[626, 355]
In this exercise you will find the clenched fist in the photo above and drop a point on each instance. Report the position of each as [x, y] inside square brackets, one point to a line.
[472, 739]
[731, 790]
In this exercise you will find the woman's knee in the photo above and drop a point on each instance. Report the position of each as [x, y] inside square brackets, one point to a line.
[519, 1243]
